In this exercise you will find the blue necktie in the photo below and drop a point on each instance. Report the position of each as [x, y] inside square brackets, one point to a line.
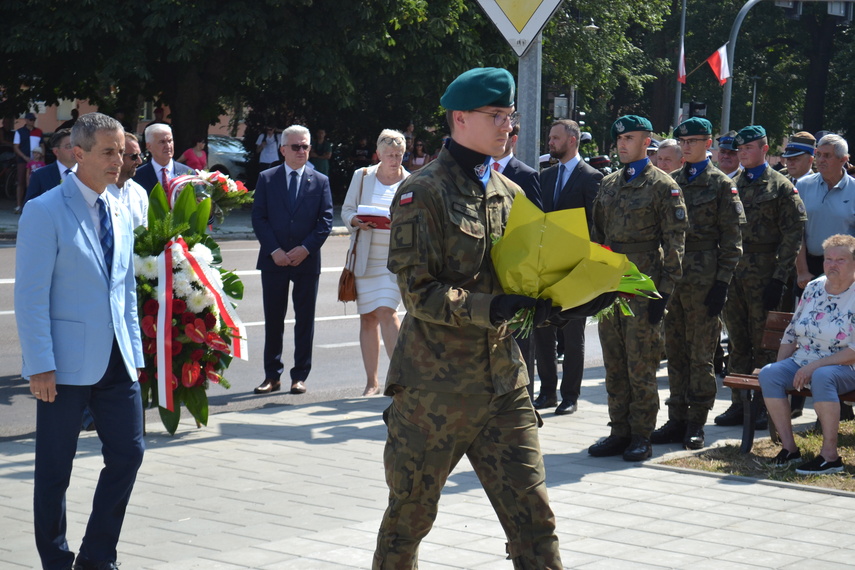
[106, 234]
[558, 185]
[292, 190]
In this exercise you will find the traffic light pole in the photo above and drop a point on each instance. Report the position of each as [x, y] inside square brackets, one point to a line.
[528, 104]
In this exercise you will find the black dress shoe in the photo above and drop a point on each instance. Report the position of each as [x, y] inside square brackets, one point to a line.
[694, 436]
[565, 408]
[269, 385]
[639, 449]
[543, 401]
[731, 417]
[610, 446]
[672, 432]
[298, 387]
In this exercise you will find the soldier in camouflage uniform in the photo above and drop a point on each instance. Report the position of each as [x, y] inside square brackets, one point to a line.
[692, 324]
[639, 211]
[457, 379]
[770, 242]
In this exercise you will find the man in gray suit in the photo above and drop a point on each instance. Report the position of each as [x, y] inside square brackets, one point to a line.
[571, 183]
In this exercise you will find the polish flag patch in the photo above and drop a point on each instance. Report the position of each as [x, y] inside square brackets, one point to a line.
[734, 191]
[406, 198]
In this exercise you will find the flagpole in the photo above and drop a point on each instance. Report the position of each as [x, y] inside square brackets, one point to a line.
[731, 61]
[678, 104]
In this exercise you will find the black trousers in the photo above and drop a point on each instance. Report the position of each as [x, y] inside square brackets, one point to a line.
[545, 339]
[275, 286]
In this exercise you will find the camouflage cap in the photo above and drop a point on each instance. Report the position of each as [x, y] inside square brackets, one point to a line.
[693, 126]
[725, 141]
[630, 123]
[480, 87]
[748, 134]
[800, 143]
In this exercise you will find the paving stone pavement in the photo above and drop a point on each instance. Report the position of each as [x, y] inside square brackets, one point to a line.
[302, 487]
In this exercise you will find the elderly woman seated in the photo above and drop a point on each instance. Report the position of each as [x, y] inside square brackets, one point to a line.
[817, 351]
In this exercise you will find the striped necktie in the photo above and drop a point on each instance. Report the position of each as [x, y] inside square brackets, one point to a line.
[106, 234]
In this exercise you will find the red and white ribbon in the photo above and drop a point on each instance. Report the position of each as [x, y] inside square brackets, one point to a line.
[165, 295]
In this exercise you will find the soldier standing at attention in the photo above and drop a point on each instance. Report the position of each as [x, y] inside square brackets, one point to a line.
[770, 242]
[456, 378]
[640, 212]
[692, 324]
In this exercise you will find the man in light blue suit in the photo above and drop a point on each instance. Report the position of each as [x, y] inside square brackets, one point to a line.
[76, 309]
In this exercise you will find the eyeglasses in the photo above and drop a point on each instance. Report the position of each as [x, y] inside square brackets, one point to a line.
[299, 147]
[690, 142]
[135, 157]
[499, 118]
[392, 140]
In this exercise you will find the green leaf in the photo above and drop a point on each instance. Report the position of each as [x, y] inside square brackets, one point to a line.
[158, 206]
[203, 213]
[232, 285]
[170, 419]
[196, 400]
[185, 205]
[209, 242]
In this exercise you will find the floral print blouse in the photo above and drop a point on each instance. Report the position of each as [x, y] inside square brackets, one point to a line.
[822, 324]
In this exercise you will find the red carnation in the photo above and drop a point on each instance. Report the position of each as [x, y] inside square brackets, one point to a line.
[187, 318]
[178, 306]
[210, 320]
[150, 307]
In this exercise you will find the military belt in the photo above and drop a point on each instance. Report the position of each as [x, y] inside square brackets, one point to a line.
[759, 247]
[637, 247]
[704, 245]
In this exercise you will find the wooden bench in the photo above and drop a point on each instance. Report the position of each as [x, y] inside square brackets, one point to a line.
[773, 332]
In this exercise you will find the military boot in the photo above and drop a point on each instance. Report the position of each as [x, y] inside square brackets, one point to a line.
[671, 432]
[731, 417]
[693, 438]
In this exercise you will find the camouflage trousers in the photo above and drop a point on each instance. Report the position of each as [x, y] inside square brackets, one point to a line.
[429, 432]
[745, 319]
[691, 337]
[631, 352]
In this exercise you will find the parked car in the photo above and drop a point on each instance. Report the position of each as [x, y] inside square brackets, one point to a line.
[228, 155]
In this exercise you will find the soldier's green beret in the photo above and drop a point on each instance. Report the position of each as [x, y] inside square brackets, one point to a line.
[630, 123]
[748, 134]
[480, 87]
[693, 126]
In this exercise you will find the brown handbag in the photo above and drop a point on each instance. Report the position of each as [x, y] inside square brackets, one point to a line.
[347, 281]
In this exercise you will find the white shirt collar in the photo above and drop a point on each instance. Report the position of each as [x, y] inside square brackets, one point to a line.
[503, 162]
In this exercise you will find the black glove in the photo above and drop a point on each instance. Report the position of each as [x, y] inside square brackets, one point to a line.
[588, 309]
[544, 311]
[504, 307]
[716, 298]
[772, 294]
[656, 309]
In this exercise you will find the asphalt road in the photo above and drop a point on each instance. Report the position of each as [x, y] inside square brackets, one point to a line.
[337, 363]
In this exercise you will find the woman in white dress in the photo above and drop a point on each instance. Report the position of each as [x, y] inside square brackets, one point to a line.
[377, 292]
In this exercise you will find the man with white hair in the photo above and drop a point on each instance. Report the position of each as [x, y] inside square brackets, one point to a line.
[161, 168]
[669, 157]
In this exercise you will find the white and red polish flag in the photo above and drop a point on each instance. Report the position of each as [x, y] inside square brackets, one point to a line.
[718, 63]
[681, 65]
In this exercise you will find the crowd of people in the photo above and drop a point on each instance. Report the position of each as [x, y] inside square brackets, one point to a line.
[723, 244]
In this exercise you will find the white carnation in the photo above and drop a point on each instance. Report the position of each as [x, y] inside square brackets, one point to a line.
[145, 267]
[202, 254]
[198, 301]
[182, 286]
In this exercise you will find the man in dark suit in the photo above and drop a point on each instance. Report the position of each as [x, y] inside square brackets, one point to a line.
[52, 175]
[292, 217]
[526, 178]
[161, 168]
[76, 308]
[571, 183]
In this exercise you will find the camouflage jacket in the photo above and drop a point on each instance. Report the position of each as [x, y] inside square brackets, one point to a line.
[714, 237]
[775, 220]
[442, 223]
[646, 219]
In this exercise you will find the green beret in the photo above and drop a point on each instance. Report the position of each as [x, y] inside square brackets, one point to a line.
[480, 87]
[693, 126]
[629, 123]
[748, 134]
